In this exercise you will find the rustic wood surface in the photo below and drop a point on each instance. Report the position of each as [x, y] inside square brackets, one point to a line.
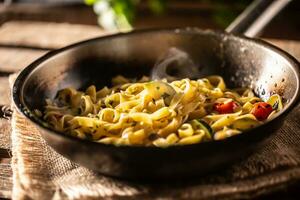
[21, 58]
[19, 48]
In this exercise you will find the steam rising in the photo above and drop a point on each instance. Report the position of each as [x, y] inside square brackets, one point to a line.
[175, 64]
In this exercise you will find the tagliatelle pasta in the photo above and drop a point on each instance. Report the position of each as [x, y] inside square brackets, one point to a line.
[158, 113]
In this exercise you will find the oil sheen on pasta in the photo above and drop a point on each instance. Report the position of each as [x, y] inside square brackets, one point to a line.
[158, 113]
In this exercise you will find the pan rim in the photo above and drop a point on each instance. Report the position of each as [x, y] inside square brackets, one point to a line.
[18, 86]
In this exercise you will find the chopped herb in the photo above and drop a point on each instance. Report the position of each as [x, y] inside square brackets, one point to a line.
[74, 133]
[165, 95]
[152, 136]
[275, 106]
[77, 127]
[89, 136]
[183, 128]
[134, 123]
[157, 87]
[268, 105]
[110, 102]
[68, 98]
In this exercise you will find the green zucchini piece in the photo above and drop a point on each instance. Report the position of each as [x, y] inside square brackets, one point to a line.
[276, 102]
[245, 122]
[197, 123]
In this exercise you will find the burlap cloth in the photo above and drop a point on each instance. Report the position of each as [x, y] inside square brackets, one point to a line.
[41, 173]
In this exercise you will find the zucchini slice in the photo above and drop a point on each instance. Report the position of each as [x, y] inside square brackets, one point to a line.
[245, 122]
[275, 102]
[200, 124]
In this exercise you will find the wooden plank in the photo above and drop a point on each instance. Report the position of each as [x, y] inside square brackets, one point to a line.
[45, 35]
[5, 131]
[50, 36]
[38, 11]
[5, 127]
[14, 59]
[4, 91]
[290, 46]
[5, 179]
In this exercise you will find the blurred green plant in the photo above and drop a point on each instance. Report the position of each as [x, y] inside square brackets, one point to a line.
[120, 14]
[227, 10]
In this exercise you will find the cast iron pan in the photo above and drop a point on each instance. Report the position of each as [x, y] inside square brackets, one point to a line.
[240, 60]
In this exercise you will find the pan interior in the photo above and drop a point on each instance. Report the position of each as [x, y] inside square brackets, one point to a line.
[241, 62]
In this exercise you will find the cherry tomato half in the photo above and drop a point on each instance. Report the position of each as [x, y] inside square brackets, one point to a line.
[261, 110]
[224, 108]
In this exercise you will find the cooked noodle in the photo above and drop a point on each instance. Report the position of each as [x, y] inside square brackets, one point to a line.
[155, 112]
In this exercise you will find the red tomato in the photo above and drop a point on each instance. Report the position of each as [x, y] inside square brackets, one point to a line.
[261, 110]
[224, 108]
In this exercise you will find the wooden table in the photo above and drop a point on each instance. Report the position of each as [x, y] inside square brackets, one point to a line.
[23, 42]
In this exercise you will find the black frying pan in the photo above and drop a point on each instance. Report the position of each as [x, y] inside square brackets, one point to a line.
[240, 60]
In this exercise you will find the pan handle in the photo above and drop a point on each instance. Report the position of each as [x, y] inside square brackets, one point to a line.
[256, 16]
[5, 112]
